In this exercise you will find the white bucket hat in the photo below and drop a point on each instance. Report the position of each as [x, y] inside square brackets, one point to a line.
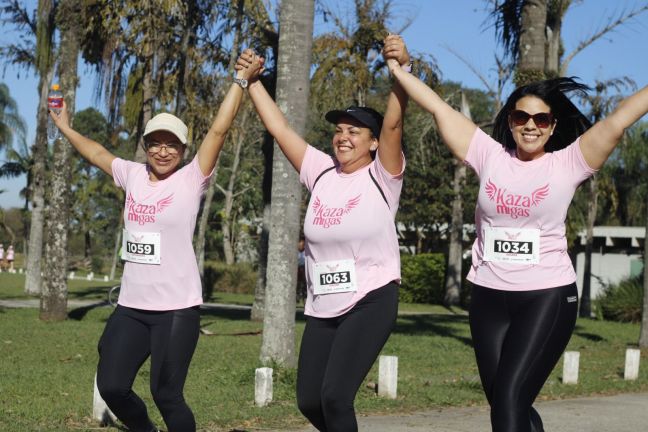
[168, 122]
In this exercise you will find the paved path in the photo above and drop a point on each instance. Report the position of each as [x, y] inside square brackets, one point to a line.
[620, 413]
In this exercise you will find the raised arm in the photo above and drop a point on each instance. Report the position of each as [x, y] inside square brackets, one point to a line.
[391, 134]
[456, 130]
[213, 142]
[600, 140]
[91, 150]
[292, 145]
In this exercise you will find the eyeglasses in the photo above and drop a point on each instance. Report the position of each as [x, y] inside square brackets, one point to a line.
[156, 147]
[542, 120]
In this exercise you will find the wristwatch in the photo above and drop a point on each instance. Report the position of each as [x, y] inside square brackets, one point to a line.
[242, 82]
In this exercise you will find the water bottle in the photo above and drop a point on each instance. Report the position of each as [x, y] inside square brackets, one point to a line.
[54, 104]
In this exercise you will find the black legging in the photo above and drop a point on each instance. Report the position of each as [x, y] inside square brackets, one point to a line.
[336, 355]
[518, 339]
[130, 336]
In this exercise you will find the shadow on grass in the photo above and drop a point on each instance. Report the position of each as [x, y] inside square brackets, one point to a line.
[95, 292]
[79, 313]
[451, 326]
[578, 331]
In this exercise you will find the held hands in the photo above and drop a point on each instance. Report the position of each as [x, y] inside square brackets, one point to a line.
[395, 52]
[62, 119]
[249, 65]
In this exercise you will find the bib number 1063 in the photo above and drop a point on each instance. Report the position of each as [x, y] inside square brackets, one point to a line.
[140, 248]
[516, 247]
[334, 278]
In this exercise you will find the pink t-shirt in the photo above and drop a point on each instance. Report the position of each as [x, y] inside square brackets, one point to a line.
[169, 207]
[348, 219]
[517, 194]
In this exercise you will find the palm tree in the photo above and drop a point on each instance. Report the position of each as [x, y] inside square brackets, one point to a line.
[12, 126]
[293, 84]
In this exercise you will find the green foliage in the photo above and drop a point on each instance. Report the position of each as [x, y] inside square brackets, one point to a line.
[237, 278]
[622, 301]
[422, 278]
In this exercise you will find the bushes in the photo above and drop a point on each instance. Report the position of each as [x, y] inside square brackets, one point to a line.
[239, 278]
[423, 278]
[623, 301]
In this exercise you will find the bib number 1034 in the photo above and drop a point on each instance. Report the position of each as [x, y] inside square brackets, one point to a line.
[512, 245]
[508, 246]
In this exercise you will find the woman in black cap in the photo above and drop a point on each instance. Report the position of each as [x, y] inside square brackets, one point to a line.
[352, 256]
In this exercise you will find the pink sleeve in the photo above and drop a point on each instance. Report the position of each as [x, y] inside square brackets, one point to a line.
[120, 170]
[315, 162]
[481, 148]
[390, 184]
[196, 175]
[571, 157]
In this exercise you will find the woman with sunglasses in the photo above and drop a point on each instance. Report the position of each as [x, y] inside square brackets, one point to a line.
[158, 308]
[352, 256]
[524, 298]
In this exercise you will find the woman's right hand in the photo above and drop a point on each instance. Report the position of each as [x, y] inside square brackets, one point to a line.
[249, 65]
[61, 119]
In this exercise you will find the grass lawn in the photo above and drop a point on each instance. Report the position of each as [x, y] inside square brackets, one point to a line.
[47, 369]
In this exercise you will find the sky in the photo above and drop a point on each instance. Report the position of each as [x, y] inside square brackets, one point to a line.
[437, 28]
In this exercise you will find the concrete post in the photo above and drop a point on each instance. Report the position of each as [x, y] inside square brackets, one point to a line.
[388, 376]
[263, 386]
[631, 371]
[570, 367]
[100, 410]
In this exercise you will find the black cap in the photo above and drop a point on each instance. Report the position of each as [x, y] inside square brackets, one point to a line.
[369, 117]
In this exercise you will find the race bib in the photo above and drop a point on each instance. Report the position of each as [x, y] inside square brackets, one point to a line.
[334, 277]
[141, 247]
[512, 245]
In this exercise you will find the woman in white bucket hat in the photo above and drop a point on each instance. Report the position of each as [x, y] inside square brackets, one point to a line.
[158, 308]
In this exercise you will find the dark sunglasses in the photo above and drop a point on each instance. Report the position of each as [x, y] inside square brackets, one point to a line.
[542, 120]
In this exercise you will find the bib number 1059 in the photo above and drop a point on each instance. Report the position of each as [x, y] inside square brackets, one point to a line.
[334, 278]
[516, 247]
[140, 248]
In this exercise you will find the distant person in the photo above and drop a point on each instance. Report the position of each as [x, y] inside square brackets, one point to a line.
[352, 255]
[10, 258]
[158, 307]
[2, 257]
[524, 298]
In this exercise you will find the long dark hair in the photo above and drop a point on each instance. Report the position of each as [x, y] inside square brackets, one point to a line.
[571, 123]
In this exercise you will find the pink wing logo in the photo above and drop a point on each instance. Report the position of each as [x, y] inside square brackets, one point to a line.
[129, 200]
[316, 204]
[539, 194]
[332, 267]
[491, 190]
[511, 236]
[163, 203]
[138, 239]
[351, 204]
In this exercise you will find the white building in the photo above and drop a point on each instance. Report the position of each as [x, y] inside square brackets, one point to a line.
[616, 255]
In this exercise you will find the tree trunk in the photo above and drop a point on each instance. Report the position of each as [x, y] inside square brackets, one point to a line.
[585, 301]
[555, 13]
[148, 96]
[455, 248]
[53, 304]
[643, 335]
[258, 306]
[531, 56]
[228, 240]
[293, 85]
[33, 278]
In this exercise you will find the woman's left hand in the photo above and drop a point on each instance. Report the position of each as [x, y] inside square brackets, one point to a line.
[249, 65]
[394, 49]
